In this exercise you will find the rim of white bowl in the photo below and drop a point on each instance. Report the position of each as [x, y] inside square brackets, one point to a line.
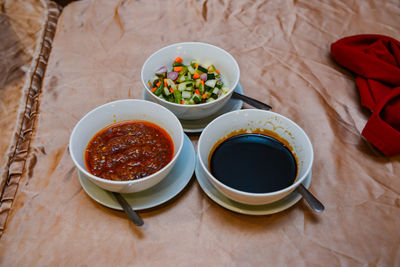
[234, 84]
[130, 181]
[289, 188]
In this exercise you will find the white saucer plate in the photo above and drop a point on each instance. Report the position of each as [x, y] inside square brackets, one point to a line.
[196, 126]
[169, 187]
[229, 204]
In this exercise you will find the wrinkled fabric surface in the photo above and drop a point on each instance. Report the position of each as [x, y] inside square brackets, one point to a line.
[20, 27]
[21, 70]
[282, 48]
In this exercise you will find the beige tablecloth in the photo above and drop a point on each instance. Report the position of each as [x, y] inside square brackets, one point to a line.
[282, 48]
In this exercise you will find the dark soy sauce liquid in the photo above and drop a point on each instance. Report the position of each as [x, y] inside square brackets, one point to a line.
[253, 163]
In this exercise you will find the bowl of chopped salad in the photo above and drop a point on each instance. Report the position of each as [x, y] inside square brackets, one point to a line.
[192, 79]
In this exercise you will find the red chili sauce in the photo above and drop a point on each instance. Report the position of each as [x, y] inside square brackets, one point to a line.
[129, 150]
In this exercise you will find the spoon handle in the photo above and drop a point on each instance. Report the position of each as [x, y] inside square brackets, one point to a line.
[128, 209]
[251, 101]
[311, 200]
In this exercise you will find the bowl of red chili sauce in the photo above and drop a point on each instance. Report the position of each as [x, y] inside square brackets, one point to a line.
[127, 145]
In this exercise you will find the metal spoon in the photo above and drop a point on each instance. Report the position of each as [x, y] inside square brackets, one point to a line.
[251, 101]
[128, 209]
[312, 201]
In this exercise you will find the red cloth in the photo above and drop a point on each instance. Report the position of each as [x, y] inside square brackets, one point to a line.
[376, 61]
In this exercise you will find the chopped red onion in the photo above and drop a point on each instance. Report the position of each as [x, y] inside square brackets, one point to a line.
[173, 75]
[203, 76]
[161, 70]
[219, 92]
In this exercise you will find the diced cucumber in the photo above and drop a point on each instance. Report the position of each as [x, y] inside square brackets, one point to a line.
[211, 83]
[186, 94]
[162, 75]
[225, 89]
[214, 93]
[210, 76]
[181, 86]
[181, 78]
[170, 82]
[202, 69]
[208, 94]
[208, 88]
[166, 91]
[183, 71]
[196, 98]
[191, 69]
[177, 96]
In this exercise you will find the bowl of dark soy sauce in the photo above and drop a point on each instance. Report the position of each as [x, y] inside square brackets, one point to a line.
[254, 156]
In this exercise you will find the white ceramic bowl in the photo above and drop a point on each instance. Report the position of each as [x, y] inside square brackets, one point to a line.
[251, 120]
[123, 110]
[204, 54]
